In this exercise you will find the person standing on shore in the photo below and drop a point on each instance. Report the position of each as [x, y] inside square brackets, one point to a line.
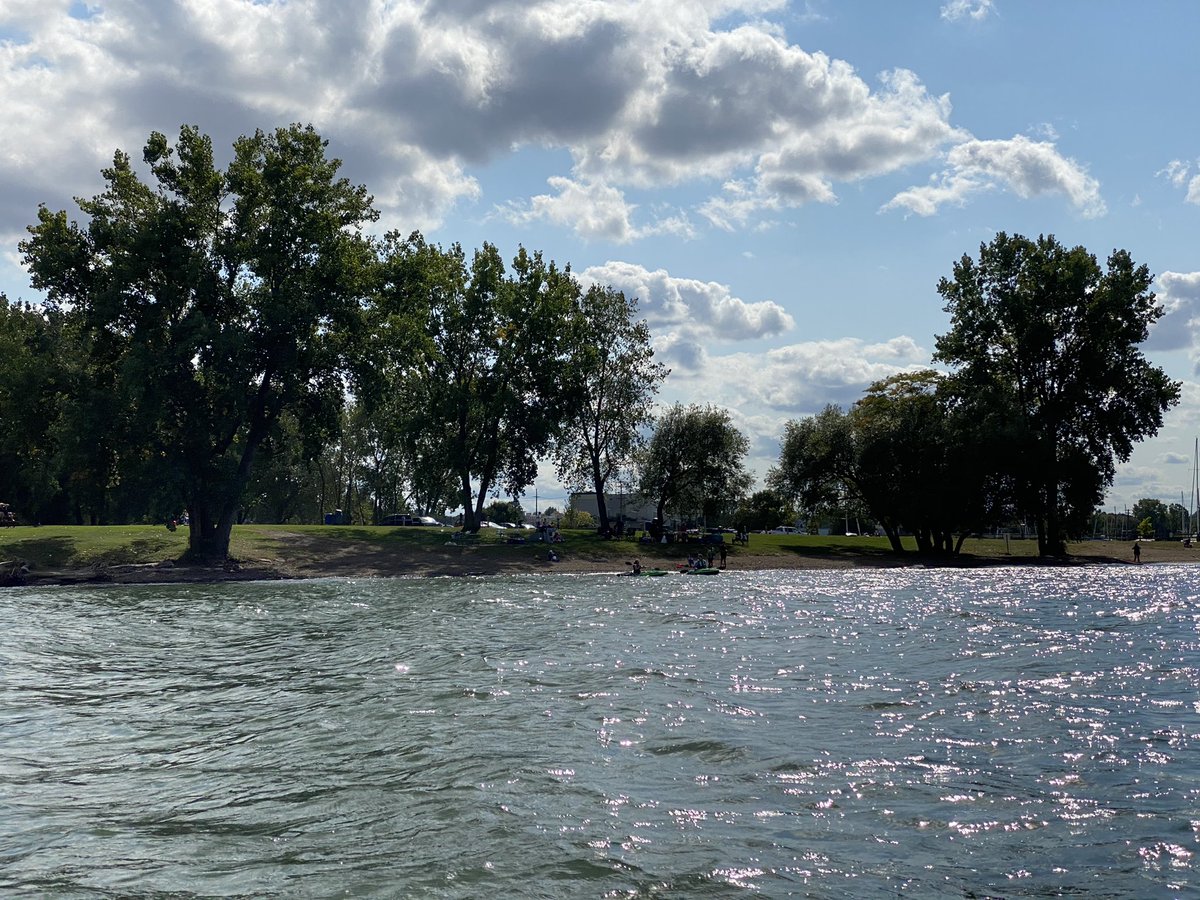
[1137, 551]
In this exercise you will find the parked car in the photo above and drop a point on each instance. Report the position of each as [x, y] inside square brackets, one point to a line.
[784, 529]
[408, 519]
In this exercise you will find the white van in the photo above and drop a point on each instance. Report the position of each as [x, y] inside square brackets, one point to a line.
[784, 529]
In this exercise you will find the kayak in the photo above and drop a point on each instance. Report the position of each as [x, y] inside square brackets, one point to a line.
[707, 570]
[650, 572]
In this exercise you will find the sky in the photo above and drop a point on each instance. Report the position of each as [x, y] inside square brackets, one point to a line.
[780, 184]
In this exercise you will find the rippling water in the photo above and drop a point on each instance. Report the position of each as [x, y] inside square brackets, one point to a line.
[1006, 733]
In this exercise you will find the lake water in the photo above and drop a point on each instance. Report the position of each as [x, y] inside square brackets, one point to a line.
[1014, 732]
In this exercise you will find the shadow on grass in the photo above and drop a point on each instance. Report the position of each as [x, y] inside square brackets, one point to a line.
[43, 552]
[67, 552]
[140, 551]
[867, 555]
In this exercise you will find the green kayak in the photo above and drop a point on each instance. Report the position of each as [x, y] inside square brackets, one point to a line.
[707, 570]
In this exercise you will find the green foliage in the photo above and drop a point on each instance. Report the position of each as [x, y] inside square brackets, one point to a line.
[694, 463]
[285, 482]
[208, 304]
[504, 511]
[32, 388]
[905, 452]
[468, 349]
[1145, 528]
[1046, 346]
[763, 510]
[608, 382]
[578, 518]
[1157, 514]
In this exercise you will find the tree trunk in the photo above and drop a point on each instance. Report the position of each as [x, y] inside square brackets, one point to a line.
[893, 536]
[209, 531]
[470, 523]
[598, 480]
[602, 512]
[924, 548]
[1050, 542]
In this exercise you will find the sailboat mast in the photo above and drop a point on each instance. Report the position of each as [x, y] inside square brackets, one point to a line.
[1195, 495]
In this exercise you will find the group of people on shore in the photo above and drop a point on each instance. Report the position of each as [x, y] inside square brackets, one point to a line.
[700, 562]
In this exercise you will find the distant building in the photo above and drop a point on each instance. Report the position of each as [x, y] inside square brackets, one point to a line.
[634, 508]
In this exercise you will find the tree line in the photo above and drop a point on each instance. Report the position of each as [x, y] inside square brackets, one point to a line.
[1047, 391]
[233, 342]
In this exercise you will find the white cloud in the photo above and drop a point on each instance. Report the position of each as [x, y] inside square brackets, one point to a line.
[1045, 130]
[1179, 173]
[762, 390]
[1027, 168]
[595, 211]
[803, 378]
[746, 100]
[1179, 328]
[1176, 171]
[688, 314]
[642, 94]
[976, 10]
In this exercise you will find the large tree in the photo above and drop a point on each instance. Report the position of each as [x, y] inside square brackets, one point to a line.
[476, 352]
[215, 301]
[609, 379]
[763, 510]
[1047, 341]
[35, 377]
[907, 453]
[1159, 515]
[694, 463]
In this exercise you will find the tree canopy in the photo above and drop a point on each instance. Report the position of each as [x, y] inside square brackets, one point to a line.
[211, 302]
[902, 452]
[1045, 344]
[232, 342]
[470, 353]
[608, 380]
[694, 463]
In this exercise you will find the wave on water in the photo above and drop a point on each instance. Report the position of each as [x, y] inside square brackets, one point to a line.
[1023, 732]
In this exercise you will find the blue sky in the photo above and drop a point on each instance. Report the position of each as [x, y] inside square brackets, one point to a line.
[780, 184]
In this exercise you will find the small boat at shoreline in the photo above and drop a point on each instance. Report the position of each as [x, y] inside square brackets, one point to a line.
[706, 570]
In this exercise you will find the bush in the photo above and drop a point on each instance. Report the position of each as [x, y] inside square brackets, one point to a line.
[578, 518]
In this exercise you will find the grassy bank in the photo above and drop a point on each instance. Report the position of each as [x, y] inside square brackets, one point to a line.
[314, 550]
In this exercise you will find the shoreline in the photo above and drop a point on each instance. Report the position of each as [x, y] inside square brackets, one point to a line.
[480, 565]
[73, 555]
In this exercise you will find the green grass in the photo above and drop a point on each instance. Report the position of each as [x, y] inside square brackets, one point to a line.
[66, 547]
[70, 546]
